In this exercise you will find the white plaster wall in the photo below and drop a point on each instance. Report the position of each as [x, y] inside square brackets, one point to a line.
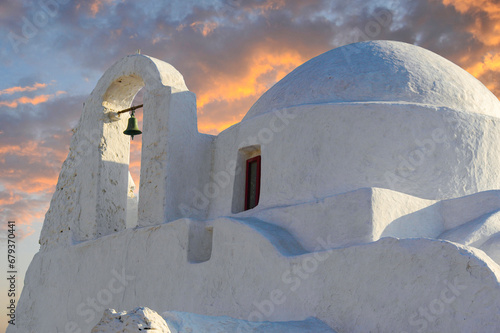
[492, 247]
[347, 218]
[190, 156]
[313, 151]
[474, 220]
[465, 209]
[476, 232]
[400, 215]
[470, 220]
[376, 287]
[368, 214]
[357, 217]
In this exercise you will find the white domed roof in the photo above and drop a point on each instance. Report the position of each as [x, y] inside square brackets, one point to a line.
[379, 71]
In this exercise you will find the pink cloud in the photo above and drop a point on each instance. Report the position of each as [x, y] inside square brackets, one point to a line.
[12, 90]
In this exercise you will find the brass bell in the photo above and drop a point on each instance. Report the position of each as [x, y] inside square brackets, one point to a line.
[132, 128]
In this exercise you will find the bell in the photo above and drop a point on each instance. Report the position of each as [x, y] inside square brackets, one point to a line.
[132, 128]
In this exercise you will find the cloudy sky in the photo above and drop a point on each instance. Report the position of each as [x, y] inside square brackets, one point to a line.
[52, 52]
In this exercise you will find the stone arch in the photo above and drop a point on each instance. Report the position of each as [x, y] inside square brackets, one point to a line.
[116, 91]
[120, 83]
[91, 196]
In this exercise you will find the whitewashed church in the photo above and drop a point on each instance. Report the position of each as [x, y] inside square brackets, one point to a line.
[361, 193]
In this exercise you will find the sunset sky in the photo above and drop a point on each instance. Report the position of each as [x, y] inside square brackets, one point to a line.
[53, 52]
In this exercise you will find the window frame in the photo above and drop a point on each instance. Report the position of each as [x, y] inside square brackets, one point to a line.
[257, 181]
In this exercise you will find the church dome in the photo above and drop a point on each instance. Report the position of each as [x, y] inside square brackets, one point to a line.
[379, 71]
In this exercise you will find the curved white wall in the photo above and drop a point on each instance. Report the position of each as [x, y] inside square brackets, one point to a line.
[309, 152]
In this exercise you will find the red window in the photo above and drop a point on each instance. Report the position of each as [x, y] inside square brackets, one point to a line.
[252, 182]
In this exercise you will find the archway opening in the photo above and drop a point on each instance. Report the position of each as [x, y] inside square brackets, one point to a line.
[134, 167]
[121, 155]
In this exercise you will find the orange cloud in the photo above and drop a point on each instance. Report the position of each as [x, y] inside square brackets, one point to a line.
[24, 186]
[485, 28]
[10, 198]
[264, 69]
[214, 127]
[262, 7]
[25, 212]
[12, 90]
[491, 62]
[205, 28]
[464, 6]
[21, 180]
[274, 66]
[28, 149]
[34, 183]
[29, 100]
[96, 5]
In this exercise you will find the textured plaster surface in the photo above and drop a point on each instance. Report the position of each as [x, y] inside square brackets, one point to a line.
[376, 287]
[139, 319]
[327, 149]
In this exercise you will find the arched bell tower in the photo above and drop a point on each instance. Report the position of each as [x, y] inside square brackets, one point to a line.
[90, 199]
